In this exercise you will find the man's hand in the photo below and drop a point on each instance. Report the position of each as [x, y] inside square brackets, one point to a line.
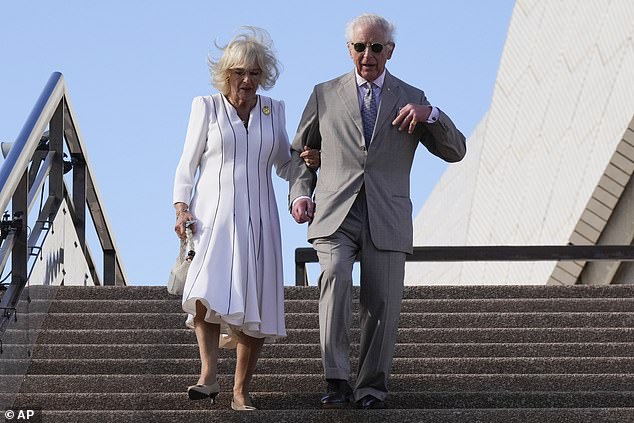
[410, 115]
[303, 210]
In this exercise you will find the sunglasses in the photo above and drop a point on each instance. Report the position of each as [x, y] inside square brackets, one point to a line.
[360, 47]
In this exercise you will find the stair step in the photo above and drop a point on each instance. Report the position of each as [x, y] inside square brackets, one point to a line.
[148, 383]
[310, 400]
[464, 353]
[527, 365]
[517, 291]
[311, 336]
[311, 306]
[310, 320]
[312, 293]
[218, 414]
[151, 351]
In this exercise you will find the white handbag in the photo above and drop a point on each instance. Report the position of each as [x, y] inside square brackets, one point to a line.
[178, 274]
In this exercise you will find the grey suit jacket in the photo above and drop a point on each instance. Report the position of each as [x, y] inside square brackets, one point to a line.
[332, 123]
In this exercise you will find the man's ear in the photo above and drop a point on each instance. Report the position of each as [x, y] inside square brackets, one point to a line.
[389, 53]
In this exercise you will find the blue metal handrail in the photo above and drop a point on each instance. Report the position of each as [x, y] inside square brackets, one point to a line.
[52, 109]
[16, 162]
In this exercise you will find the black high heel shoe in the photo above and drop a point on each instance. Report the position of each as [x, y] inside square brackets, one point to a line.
[198, 392]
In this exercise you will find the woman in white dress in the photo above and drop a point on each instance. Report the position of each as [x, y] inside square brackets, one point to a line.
[234, 288]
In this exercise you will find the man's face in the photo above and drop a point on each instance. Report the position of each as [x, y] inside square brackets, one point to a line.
[369, 63]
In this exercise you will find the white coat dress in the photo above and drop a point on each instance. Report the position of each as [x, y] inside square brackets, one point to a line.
[224, 174]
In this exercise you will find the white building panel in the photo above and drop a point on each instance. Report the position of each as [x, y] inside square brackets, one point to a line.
[563, 99]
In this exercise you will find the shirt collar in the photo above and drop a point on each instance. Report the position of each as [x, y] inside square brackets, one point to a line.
[378, 81]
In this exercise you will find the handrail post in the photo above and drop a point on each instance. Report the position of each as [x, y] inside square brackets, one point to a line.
[79, 198]
[109, 267]
[56, 145]
[19, 252]
[300, 274]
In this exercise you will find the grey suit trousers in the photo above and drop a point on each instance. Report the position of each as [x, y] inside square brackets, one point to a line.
[382, 274]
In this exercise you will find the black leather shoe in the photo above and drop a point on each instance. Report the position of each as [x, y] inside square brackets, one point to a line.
[339, 394]
[369, 402]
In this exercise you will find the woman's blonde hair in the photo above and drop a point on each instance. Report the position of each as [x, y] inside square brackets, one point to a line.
[251, 48]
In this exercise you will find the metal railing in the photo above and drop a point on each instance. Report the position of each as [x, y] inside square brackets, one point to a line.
[34, 160]
[491, 253]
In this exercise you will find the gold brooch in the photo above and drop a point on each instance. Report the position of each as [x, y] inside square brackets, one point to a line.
[266, 110]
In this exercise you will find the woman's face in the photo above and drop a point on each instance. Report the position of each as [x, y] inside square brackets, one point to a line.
[244, 83]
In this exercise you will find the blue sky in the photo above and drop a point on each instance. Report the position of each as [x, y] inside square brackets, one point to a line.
[132, 68]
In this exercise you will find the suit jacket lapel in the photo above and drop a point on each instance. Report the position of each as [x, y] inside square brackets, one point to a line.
[387, 107]
[349, 97]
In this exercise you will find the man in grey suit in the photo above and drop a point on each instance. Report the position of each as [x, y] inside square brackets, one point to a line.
[367, 124]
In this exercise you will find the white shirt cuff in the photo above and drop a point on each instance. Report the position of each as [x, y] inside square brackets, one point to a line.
[299, 198]
[433, 116]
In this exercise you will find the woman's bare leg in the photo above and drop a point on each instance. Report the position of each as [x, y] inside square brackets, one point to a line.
[247, 353]
[207, 335]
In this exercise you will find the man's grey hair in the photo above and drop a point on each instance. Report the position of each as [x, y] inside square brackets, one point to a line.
[370, 19]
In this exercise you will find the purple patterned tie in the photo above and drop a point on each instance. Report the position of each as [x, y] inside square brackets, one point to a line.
[368, 112]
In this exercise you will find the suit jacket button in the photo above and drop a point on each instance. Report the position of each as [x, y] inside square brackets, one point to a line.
[363, 148]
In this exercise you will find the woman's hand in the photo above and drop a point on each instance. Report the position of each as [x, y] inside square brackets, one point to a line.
[182, 217]
[312, 157]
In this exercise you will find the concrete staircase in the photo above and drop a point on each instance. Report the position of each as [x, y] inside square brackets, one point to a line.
[464, 354]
